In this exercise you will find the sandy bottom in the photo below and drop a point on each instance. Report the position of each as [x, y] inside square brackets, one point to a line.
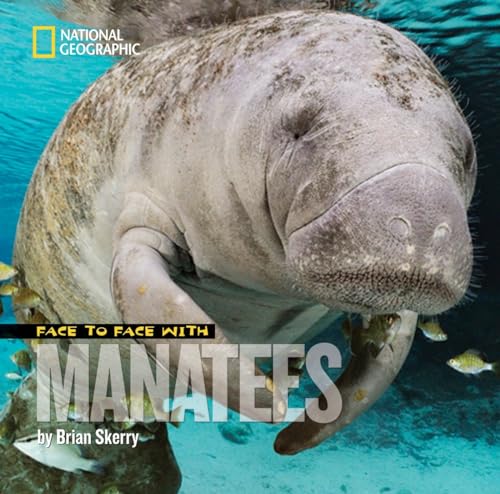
[440, 464]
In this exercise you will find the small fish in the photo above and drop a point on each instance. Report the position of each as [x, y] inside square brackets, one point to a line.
[67, 457]
[8, 427]
[22, 359]
[380, 332]
[36, 318]
[146, 436]
[471, 362]
[26, 298]
[269, 382]
[432, 330]
[14, 376]
[7, 290]
[7, 272]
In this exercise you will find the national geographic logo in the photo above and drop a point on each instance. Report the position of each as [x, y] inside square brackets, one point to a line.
[42, 31]
[49, 42]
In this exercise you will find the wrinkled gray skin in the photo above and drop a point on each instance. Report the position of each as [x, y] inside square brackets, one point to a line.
[267, 176]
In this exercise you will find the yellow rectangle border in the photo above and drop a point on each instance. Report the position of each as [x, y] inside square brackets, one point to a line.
[52, 30]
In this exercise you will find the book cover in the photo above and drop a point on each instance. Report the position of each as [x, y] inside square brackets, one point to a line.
[249, 246]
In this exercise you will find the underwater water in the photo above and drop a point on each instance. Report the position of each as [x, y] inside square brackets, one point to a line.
[434, 431]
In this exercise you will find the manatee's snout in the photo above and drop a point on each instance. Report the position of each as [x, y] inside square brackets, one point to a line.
[399, 240]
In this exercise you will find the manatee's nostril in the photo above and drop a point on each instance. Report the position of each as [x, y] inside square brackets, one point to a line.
[442, 231]
[399, 226]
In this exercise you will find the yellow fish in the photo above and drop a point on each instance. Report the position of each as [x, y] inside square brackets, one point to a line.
[26, 298]
[7, 290]
[37, 318]
[432, 330]
[7, 272]
[22, 359]
[471, 362]
[381, 331]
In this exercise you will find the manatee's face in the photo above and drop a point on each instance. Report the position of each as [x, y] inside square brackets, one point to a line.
[398, 240]
[370, 175]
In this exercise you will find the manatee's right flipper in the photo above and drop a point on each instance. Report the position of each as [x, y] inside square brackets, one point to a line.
[144, 292]
[360, 385]
[150, 467]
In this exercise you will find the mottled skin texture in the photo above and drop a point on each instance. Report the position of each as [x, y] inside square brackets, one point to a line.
[267, 176]
[88, 190]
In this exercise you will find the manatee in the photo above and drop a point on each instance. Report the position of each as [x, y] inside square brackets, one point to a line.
[267, 176]
[152, 21]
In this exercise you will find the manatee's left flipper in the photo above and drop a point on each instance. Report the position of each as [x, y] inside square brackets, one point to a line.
[144, 292]
[361, 384]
